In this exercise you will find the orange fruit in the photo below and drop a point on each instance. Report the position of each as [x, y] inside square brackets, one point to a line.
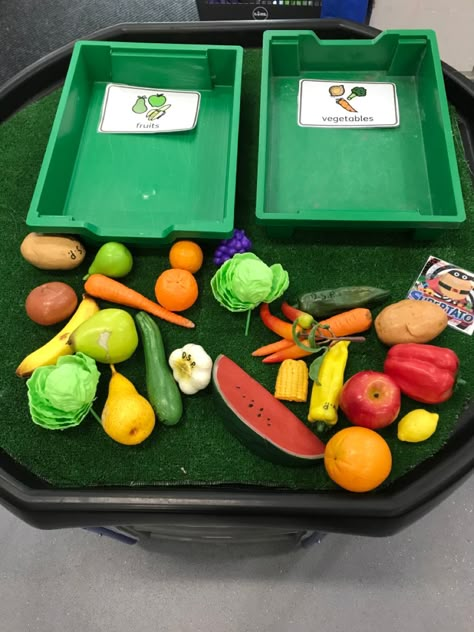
[186, 255]
[357, 459]
[176, 289]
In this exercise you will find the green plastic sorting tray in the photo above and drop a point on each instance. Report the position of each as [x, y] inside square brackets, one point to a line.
[393, 177]
[142, 188]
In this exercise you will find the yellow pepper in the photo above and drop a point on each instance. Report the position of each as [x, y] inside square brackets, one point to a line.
[325, 395]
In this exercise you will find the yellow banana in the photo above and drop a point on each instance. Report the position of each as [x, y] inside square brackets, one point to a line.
[58, 346]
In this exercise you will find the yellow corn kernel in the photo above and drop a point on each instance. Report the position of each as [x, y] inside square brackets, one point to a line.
[292, 381]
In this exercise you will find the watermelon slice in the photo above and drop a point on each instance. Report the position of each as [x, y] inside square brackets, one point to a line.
[261, 422]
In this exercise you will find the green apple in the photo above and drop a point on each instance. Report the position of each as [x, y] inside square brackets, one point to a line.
[112, 259]
[157, 100]
[109, 336]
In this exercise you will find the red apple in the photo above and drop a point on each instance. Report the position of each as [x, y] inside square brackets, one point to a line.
[370, 399]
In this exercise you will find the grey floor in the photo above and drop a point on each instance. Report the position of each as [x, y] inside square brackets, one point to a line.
[417, 581]
[420, 580]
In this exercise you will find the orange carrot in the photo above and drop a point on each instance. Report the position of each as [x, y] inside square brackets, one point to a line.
[348, 323]
[110, 290]
[272, 348]
[346, 105]
[290, 353]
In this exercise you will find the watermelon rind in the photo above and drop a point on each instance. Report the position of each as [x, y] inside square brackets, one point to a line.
[250, 437]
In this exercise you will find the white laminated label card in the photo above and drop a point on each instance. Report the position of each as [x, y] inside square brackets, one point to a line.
[347, 104]
[134, 110]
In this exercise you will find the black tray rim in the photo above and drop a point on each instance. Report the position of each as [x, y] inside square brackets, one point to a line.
[376, 514]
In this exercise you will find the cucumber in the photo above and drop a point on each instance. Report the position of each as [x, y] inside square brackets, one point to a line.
[163, 392]
[329, 302]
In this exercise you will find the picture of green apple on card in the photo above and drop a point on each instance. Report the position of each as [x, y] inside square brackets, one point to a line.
[347, 104]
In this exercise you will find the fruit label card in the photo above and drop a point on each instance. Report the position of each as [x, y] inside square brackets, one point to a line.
[132, 110]
[347, 104]
[450, 287]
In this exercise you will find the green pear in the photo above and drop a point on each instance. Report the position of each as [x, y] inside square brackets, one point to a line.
[140, 105]
[109, 336]
[112, 259]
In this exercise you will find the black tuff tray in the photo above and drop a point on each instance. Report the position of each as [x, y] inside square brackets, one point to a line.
[233, 507]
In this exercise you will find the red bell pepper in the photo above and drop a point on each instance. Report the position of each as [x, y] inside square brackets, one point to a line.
[425, 373]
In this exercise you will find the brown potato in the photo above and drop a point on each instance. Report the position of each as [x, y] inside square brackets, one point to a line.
[51, 303]
[52, 252]
[410, 321]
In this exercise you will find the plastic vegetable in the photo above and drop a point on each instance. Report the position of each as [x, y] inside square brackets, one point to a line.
[163, 392]
[351, 322]
[112, 259]
[358, 91]
[274, 347]
[425, 373]
[341, 326]
[192, 368]
[128, 417]
[275, 324]
[346, 105]
[58, 346]
[50, 303]
[238, 243]
[113, 291]
[410, 321]
[336, 91]
[418, 425]
[324, 303]
[60, 396]
[328, 385]
[292, 381]
[52, 252]
[245, 281]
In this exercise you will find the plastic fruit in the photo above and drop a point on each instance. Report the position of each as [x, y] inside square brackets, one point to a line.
[58, 346]
[52, 252]
[127, 418]
[417, 425]
[110, 336]
[357, 459]
[51, 303]
[176, 290]
[186, 255]
[113, 260]
[370, 399]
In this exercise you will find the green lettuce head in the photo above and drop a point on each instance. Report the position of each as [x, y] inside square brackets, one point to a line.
[61, 395]
[245, 281]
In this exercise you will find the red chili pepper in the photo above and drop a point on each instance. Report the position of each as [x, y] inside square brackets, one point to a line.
[275, 324]
[425, 373]
[292, 313]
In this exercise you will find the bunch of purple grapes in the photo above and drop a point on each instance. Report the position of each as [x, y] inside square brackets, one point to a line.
[238, 243]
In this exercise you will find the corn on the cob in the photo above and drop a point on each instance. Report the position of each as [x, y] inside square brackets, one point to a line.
[292, 381]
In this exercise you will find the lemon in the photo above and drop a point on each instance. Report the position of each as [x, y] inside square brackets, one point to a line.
[417, 425]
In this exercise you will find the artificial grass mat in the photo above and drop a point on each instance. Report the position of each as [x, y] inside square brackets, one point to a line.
[200, 450]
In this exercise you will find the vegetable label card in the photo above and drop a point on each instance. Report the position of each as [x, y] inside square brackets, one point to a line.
[132, 110]
[346, 104]
[450, 287]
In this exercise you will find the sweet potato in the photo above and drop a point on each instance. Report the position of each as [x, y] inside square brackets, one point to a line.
[410, 321]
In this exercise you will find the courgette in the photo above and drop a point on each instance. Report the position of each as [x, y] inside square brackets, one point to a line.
[163, 392]
[324, 303]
